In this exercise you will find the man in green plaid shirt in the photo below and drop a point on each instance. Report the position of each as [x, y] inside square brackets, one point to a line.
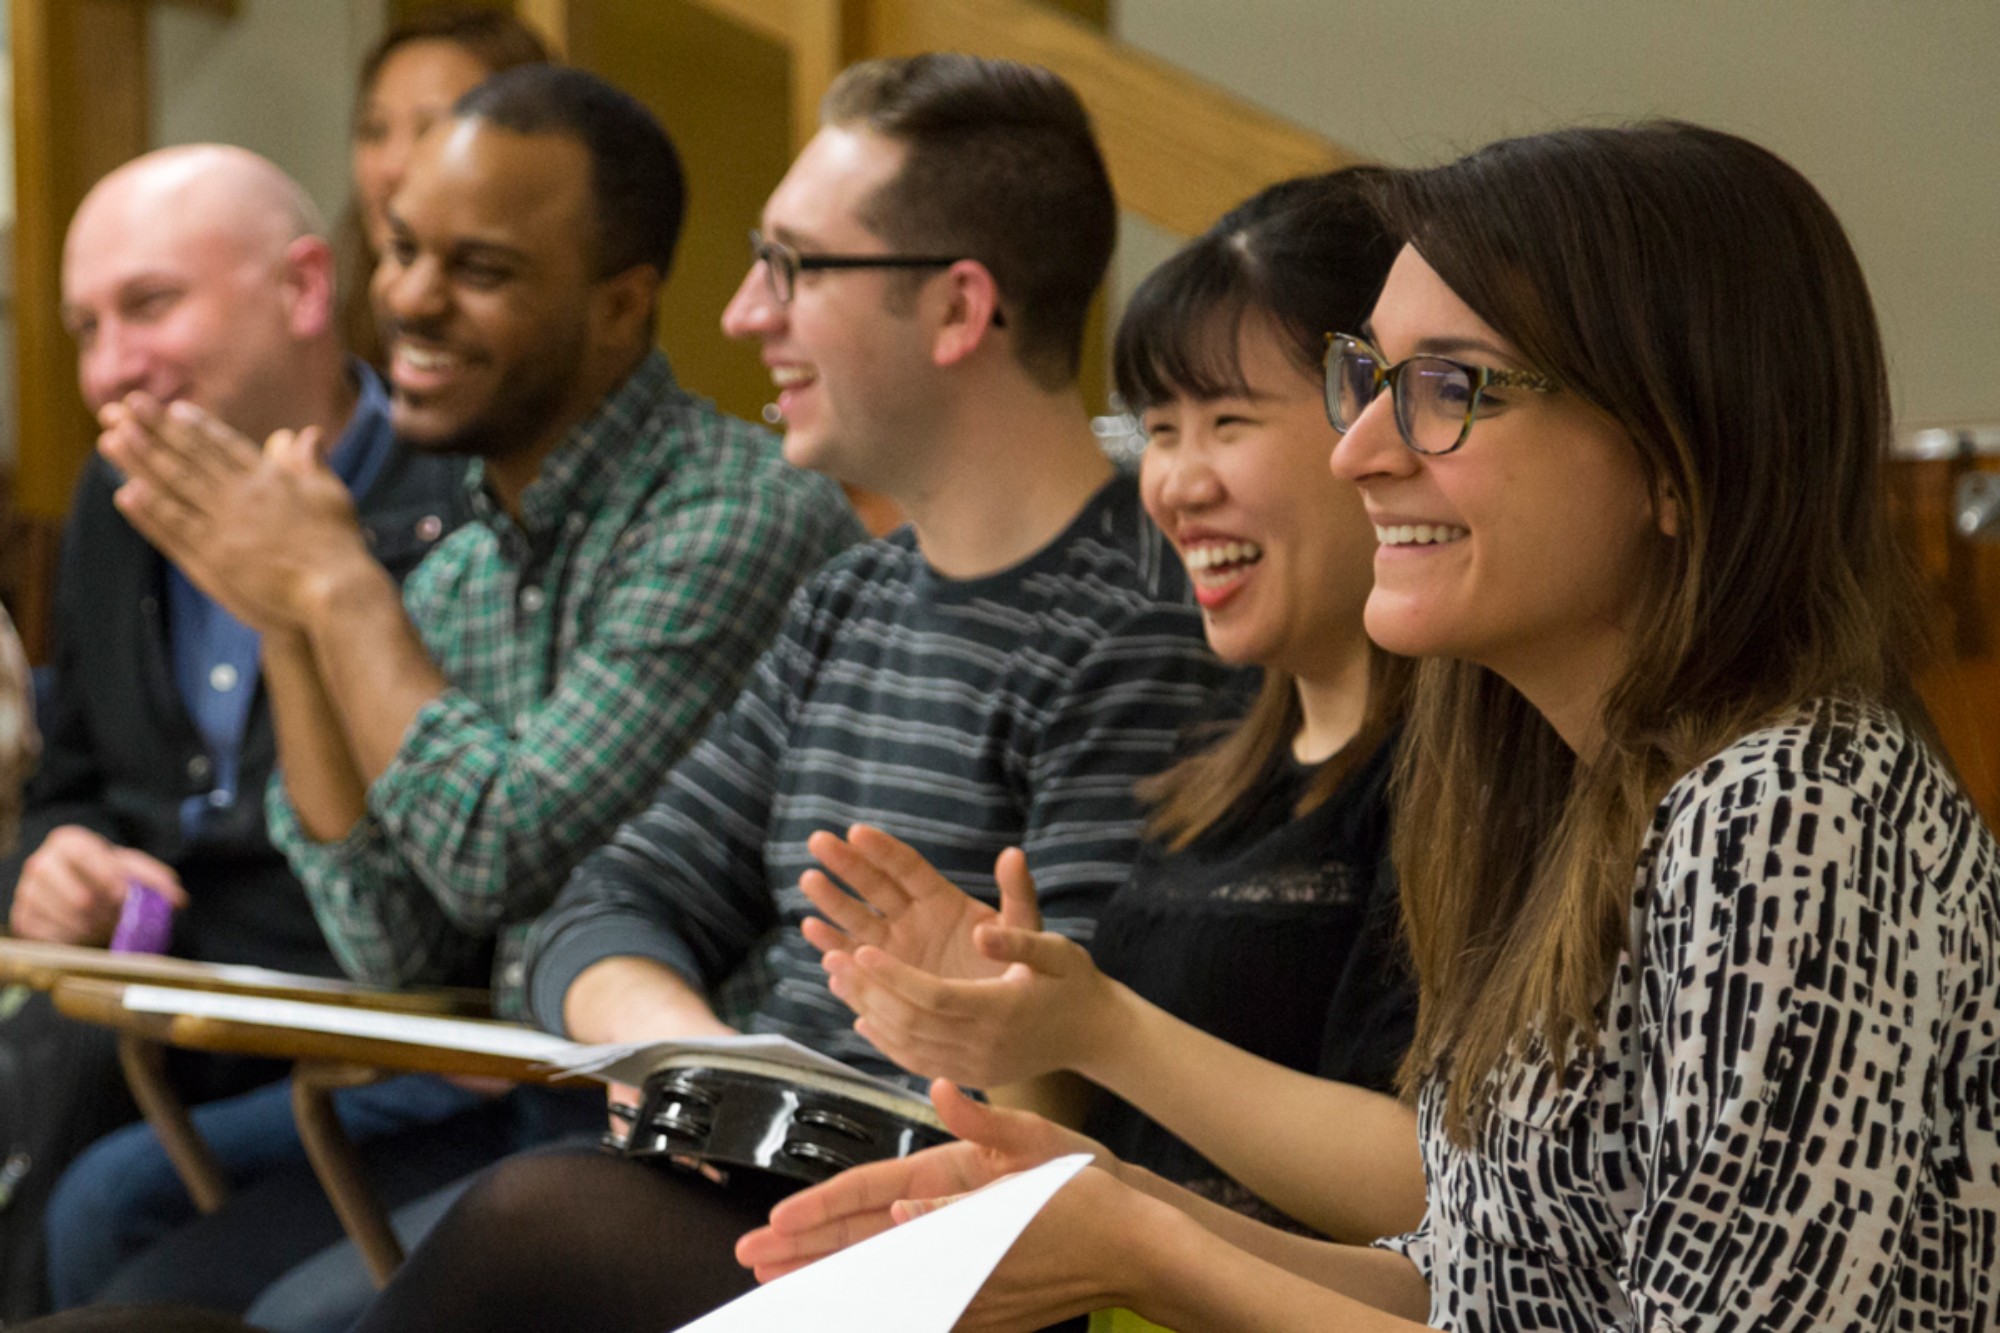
[446, 756]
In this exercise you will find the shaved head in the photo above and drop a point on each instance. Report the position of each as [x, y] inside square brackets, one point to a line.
[231, 193]
[200, 272]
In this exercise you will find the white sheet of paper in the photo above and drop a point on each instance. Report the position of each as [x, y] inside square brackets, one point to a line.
[458, 1034]
[915, 1278]
[628, 1062]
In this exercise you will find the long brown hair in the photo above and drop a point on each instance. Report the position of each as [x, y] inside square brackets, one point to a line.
[497, 40]
[1698, 291]
[1308, 255]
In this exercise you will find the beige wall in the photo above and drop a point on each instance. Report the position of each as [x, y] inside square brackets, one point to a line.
[1889, 107]
[1886, 106]
[723, 96]
[277, 78]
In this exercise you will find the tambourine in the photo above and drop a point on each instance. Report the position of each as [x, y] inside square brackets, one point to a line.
[733, 1113]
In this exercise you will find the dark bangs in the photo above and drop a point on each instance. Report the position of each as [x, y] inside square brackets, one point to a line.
[1179, 335]
[1308, 254]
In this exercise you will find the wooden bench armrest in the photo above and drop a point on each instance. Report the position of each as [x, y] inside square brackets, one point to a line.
[324, 1062]
[101, 1001]
[40, 966]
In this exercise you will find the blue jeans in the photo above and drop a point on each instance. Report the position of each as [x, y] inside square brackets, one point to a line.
[122, 1195]
[328, 1292]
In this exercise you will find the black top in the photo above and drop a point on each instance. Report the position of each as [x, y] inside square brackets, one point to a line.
[1276, 933]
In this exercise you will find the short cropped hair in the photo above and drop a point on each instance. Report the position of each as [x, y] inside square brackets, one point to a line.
[636, 180]
[1001, 166]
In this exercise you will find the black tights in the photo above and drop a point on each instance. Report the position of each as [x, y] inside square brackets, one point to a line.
[573, 1239]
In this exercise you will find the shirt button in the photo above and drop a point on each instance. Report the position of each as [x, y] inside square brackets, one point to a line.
[221, 799]
[429, 528]
[522, 720]
[533, 599]
[199, 768]
[574, 524]
[222, 678]
[514, 973]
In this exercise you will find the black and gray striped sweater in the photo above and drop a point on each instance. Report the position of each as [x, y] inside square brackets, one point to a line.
[963, 716]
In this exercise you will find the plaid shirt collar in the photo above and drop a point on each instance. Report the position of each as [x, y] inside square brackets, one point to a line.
[581, 470]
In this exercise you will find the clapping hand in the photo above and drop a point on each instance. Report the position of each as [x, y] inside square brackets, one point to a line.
[942, 984]
[253, 527]
[906, 908]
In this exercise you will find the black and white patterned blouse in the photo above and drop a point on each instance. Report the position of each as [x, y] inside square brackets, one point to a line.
[1792, 1117]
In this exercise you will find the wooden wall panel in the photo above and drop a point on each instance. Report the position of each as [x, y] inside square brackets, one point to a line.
[80, 109]
[1963, 575]
[81, 102]
[1181, 151]
[723, 90]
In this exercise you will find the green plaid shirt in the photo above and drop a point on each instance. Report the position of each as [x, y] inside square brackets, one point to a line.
[586, 645]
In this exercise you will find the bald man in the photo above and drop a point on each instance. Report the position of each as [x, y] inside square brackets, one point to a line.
[192, 275]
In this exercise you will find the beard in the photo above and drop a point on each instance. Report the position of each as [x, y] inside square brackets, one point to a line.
[530, 398]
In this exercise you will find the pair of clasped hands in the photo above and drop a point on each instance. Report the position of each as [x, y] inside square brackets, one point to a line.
[944, 985]
[242, 522]
[253, 526]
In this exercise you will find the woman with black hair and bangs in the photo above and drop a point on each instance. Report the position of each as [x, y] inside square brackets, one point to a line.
[1706, 932]
[1257, 934]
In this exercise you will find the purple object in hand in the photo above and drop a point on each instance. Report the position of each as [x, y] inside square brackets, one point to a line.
[146, 924]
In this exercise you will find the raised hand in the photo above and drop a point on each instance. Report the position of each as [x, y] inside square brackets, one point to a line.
[854, 1205]
[906, 908]
[254, 528]
[1048, 1009]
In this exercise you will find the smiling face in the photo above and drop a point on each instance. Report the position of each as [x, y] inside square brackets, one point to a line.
[1278, 548]
[486, 296]
[413, 89]
[853, 372]
[1528, 549]
[179, 281]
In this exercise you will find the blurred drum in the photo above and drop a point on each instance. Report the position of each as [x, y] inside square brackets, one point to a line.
[731, 1113]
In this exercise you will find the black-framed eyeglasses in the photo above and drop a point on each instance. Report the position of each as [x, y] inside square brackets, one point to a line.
[782, 264]
[1435, 398]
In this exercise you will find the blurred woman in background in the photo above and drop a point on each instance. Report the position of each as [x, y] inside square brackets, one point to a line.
[409, 79]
